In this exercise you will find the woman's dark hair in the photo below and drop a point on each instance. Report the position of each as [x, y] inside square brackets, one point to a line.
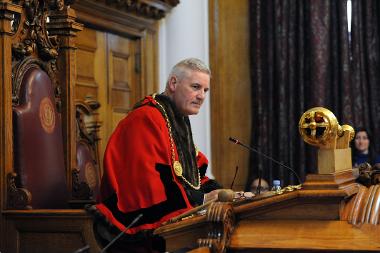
[355, 152]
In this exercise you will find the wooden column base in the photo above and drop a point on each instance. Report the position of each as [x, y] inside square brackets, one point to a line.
[342, 180]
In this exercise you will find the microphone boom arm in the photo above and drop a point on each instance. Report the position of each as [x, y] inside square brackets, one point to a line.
[266, 156]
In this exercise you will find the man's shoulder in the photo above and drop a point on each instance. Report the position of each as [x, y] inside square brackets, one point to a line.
[145, 112]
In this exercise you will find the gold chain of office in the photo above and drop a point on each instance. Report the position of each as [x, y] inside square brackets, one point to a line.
[176, 164]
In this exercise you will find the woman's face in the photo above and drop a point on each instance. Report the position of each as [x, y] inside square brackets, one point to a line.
[362, 142]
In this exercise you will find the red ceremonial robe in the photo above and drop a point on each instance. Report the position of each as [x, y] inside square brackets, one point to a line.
[138, 175]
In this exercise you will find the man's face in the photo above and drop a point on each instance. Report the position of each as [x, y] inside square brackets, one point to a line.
[190, 92]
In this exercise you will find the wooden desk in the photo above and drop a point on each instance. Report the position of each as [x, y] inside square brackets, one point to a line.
[317, 218]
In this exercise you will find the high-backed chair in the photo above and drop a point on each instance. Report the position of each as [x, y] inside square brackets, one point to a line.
[38, 143]
[86, 176]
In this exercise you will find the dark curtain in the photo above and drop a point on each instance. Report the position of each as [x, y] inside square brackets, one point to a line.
[300, 58]
[365, 69]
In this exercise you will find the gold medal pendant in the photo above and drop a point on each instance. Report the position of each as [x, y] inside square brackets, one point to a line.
[177, 168]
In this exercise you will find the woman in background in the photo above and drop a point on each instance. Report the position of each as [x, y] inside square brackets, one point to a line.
[361, 150]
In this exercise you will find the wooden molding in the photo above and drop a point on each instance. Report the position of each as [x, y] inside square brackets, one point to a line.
[223, 224]
[364, 207]
[338, 180]
[212, 230]
[127, 18]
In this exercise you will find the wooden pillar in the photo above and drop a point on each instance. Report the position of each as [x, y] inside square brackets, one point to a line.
[7, 11]
[62, 24]
[230, 93]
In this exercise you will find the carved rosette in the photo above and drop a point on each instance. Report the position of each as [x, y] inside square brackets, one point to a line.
[18, 198]
[222, 219]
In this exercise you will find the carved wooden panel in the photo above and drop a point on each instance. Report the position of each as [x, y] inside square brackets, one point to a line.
[123, 79]
[148, 57]
[86, 176]
[86, 85]
[58, 231]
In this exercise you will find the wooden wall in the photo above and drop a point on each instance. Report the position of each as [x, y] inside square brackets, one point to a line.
[117, 62]
[230, 92]
[108, 72]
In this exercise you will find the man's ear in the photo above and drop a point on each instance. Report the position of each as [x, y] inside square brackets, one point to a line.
[173, 83]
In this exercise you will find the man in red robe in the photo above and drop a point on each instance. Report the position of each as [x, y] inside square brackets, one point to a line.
[151, 165]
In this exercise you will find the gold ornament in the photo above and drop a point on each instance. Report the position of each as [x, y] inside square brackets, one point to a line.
[319, 127]
[177, 168]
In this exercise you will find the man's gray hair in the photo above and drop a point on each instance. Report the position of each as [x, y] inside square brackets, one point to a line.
[180, 70]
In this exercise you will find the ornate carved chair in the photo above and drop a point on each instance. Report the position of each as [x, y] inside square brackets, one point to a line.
[86, 178]
[38, 143]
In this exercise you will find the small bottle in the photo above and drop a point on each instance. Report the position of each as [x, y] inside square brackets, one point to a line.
[276, 185]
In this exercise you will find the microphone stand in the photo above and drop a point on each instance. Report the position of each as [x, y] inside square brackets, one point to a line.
[258, 190]
[87, 247]
[266, 156]
[121, 234]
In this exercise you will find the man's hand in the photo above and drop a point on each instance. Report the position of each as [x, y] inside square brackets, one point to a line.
[211, 196]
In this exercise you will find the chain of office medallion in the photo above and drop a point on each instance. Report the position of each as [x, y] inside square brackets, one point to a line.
[176, 164]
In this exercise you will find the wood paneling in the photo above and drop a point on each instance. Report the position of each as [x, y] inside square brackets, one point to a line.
[59, 231]
[87, 55]
[109, 69]
[148, 56]
[301, 236]
[121, 72]
[230, 89]
[123, 80]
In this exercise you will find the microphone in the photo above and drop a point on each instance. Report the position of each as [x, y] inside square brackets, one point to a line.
[121, 233]
[226, 195]
[266, 156]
